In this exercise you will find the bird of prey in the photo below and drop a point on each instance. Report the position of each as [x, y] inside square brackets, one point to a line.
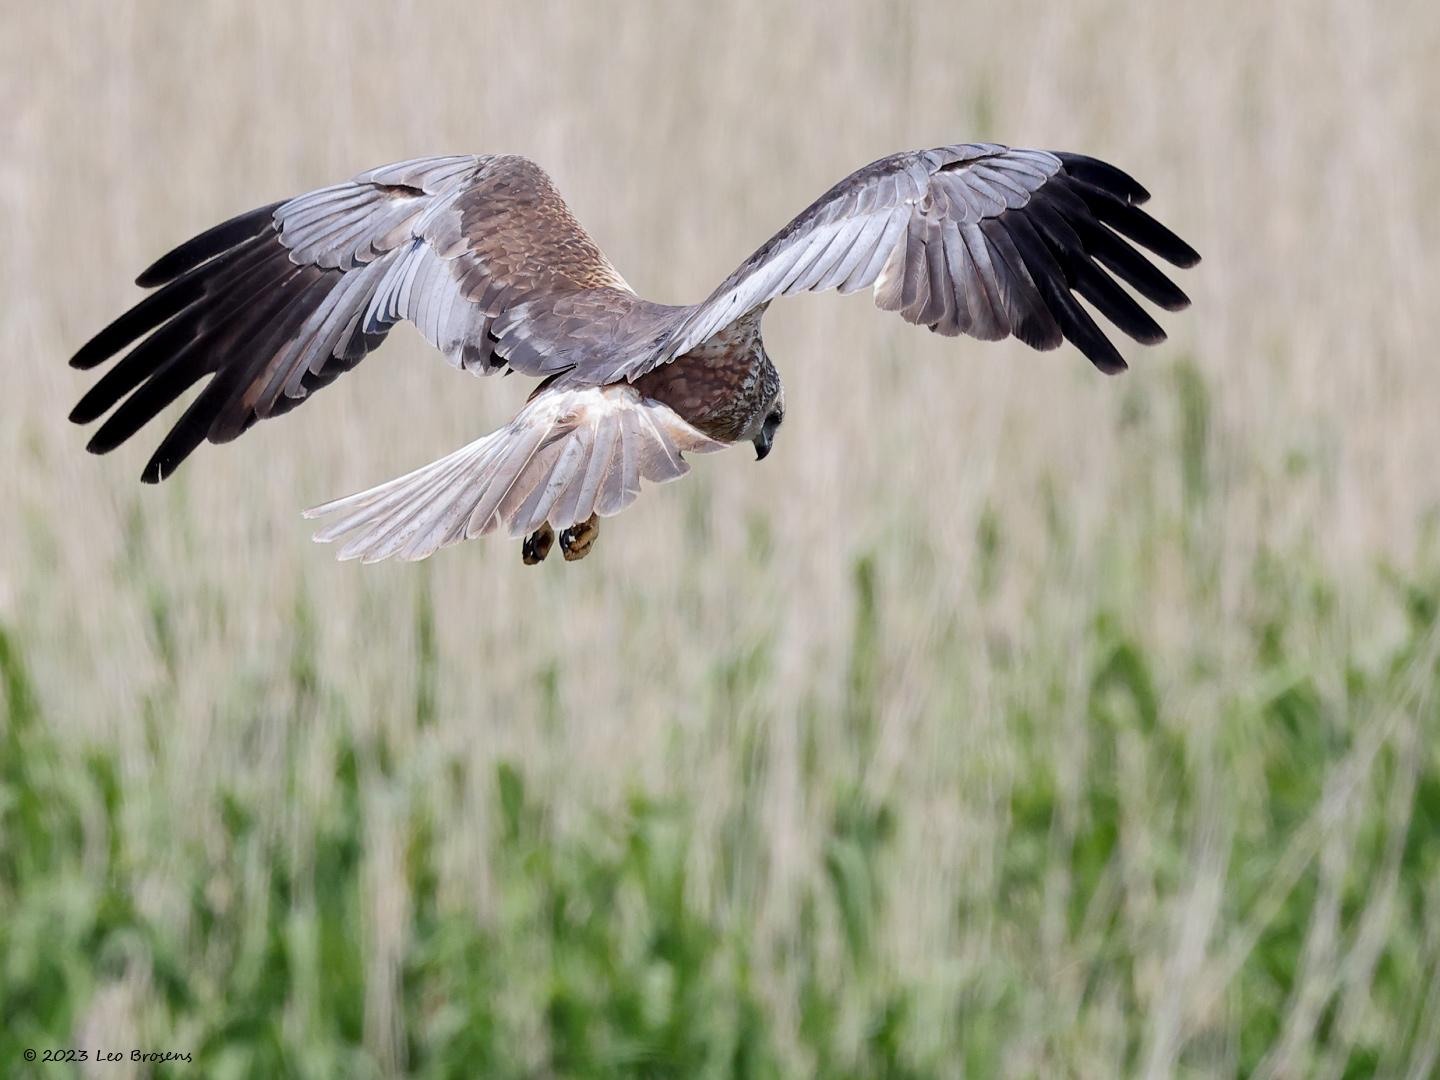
[483, 256]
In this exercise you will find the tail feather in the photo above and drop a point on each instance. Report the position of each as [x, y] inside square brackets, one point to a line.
[569, 454]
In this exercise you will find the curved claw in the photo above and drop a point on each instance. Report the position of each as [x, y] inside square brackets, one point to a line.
[576, 541]
[537, 545]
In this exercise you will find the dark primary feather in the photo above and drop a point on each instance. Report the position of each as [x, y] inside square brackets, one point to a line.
[220, 312]
[213, 241]
[1103, 175]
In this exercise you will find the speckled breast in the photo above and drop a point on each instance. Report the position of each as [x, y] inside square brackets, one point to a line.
[722, 386]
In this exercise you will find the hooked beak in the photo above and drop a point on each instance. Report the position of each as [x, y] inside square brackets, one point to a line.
[762, 445]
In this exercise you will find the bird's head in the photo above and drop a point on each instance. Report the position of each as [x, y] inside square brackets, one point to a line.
[772, 418]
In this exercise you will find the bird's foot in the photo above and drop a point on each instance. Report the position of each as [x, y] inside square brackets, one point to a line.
[576, 541]
[537, 545]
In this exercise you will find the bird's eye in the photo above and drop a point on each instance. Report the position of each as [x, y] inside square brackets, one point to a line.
[773, 420]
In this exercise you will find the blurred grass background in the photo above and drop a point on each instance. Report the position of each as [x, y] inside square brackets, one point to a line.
[1009, 721]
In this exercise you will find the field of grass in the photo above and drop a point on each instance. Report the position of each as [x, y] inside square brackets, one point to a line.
[1009, 720]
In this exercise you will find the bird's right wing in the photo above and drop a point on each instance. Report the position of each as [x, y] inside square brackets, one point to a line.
[975, 239]
[279, 301]
[567, 455]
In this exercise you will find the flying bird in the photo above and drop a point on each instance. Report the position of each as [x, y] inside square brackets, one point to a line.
[483, 256]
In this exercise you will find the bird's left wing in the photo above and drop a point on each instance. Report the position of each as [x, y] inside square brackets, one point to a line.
[978, 239]
[567, 455]
[278, 302]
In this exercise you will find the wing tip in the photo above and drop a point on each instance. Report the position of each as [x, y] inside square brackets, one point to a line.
[86, 358]
[1188, 256]
[84, 412]
[102, 442]
[162, 464]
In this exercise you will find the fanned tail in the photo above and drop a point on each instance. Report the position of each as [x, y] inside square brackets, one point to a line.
[567, 455]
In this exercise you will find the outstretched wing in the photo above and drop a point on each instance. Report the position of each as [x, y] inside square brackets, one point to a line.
[972, 239]
[567, 455]
[277, 302]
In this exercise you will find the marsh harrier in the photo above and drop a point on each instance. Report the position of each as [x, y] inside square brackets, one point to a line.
[482, 255]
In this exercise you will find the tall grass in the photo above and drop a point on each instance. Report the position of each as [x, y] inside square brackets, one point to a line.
[1008, 720]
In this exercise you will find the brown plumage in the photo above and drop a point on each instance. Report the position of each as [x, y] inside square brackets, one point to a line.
[484, 257]
[720, 386]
